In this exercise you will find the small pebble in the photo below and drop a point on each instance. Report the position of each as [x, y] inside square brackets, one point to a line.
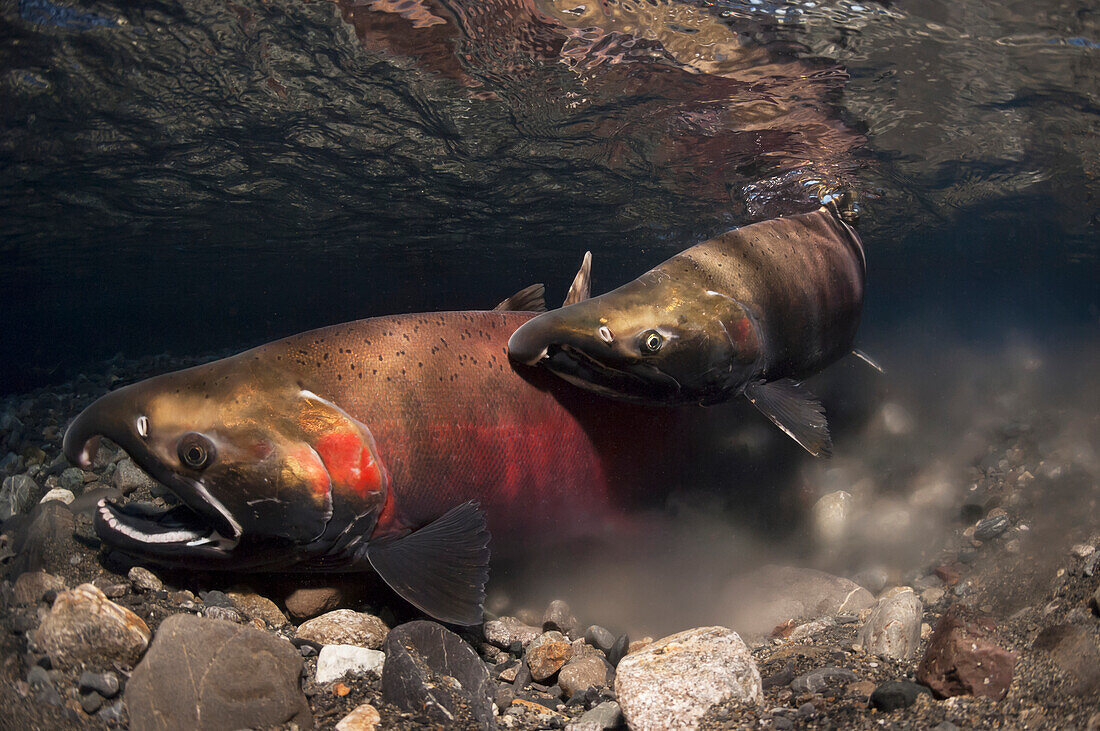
[105, 684]
[895, 694]
[91, 702]
[599, 638]
[991, 527]
[142, 579]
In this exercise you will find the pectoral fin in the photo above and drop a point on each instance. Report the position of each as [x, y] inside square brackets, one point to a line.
[528, 299]
[868, 360]
[441, 568]
[795, 411]
[582, 283]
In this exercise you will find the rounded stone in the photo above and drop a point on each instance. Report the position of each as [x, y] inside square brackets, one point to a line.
[142, 579]
[258, 607]
[580, 674]
[362, 718]
[547, 653]
[206, 673]
[677, 679]
[893, 628]
[84, 626]
[345, 627]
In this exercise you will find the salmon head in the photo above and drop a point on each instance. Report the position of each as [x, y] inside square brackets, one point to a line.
[658, 339]
[257, 461]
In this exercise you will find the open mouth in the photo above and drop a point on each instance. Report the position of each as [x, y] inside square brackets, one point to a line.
[638, 382]
[141, 524]
[199, 525]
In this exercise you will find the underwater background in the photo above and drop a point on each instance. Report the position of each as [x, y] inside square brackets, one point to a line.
[197, 177]
[193, 179]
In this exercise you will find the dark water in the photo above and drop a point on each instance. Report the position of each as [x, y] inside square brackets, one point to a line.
[193, 177]
[201, 177]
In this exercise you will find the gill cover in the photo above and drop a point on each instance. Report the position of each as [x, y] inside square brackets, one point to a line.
[246, 448]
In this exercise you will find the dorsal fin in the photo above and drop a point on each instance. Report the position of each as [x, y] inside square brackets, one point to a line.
[528, 299]
[581, 288]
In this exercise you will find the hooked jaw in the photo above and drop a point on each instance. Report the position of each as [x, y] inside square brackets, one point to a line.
[201, 526]
[589, 357]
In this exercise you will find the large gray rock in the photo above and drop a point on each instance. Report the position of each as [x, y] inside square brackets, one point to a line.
[677, 679]
[432, 672]
[893, 628]
[84, 626]
[18, 494]
[345, 627]
[209, 674]
[772, 595]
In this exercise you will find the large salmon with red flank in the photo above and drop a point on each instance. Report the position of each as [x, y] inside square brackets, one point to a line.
[393, 443]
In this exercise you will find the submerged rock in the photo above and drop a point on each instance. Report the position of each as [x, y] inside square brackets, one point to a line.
[961, 659]
[46, 542]
[18, 494]
[209, 674]
[345, 627]
[335, 661]
[84, 626]
[676, 680]
[257, 607]
[507, 630]
[547, 653]
[31, 586]
[311, 601]
[129, 477]
[895, 694]
[1074, 651]
[559, 617]
[430, 670]
[142, 579]
[893, 629]
[362, 718]
[58, 494]
[582, 673]
[773, 595]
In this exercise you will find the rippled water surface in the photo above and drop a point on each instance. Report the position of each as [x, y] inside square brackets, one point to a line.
[198, 176]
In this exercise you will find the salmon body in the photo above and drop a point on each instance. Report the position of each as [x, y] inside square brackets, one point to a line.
[393, 443]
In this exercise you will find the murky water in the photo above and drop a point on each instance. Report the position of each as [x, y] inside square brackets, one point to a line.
[201, 177]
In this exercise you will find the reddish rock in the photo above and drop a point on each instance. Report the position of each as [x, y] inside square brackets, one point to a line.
[547, 654]
[962, 659]
[948, 574]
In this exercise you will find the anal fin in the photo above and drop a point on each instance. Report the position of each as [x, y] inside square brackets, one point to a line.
[528, 299]
[795, 411]
[441, 568]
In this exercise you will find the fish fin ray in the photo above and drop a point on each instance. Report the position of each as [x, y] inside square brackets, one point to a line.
[794, 410]
[868, 360]
[581, 288]
[528, 299]
[441, 568]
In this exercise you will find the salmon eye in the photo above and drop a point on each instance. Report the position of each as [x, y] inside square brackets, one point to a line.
[651, 341]
[196, 451]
